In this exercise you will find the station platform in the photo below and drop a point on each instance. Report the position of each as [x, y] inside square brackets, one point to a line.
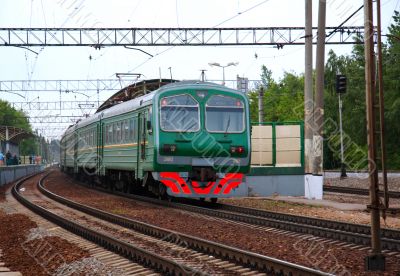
[321, 203]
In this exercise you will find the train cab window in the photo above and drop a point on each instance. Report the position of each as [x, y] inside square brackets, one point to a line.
[224, 114]
[179, 113]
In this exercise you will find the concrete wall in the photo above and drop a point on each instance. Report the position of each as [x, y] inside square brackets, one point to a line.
[11, 173]
[267, 185]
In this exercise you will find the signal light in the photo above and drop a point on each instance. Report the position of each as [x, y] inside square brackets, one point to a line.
[237, 149]
[341, 83]
[169, 148]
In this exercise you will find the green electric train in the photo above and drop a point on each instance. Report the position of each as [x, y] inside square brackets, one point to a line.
[185, 139]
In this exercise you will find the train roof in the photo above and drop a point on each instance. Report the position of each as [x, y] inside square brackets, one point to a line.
[133, 91]
[144, 100]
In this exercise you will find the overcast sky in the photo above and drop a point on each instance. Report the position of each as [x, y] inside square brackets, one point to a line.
[185, 62]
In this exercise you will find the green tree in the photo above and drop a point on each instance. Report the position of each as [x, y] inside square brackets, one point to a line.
[354, 103]
[9, 116]
[283, 100]
[391, 76]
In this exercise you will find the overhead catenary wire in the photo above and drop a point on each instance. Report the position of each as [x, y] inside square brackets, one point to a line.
[224, 21]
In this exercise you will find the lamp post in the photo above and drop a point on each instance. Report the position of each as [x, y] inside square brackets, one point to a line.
[223, 68]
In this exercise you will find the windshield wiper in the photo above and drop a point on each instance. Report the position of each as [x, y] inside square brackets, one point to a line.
[227, 125]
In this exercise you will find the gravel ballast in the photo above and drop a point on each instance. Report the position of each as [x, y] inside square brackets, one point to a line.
[281, 246]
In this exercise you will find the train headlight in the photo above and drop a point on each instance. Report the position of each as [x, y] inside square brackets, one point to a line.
[237, 150]
[169, 148]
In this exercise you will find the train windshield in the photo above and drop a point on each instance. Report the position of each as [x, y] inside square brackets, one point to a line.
[179, 113]
[224, 114]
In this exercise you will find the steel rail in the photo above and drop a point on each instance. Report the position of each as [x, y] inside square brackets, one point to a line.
[124, 249]
[324, 223]
[262, 263]
[356, 191]
[342, 231]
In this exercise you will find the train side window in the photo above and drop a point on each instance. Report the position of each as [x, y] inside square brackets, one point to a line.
[114, 139]
[119, 132]
[91, 138]
[110, 134]
[132, 130]
[126, 131]
[105, 138]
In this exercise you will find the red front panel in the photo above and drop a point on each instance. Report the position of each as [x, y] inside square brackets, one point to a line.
[179, 187]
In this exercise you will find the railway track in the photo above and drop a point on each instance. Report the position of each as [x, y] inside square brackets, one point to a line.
[190, 255]
[356, 191]
[342, 231]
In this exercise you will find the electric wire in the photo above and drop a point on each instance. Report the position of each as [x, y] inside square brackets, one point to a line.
[171, 47]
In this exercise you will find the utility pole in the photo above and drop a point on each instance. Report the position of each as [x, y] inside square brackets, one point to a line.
[319, 103]
[308, 91]
[381, 106]
[261, 106]
[376, 260]
[170, 72]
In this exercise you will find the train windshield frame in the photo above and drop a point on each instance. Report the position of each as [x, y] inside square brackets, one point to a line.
[225, 114]
[179, 113]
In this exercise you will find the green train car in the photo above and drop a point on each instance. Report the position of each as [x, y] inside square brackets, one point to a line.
[186, 139]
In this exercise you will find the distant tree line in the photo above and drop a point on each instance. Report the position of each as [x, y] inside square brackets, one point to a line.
[284, 99]
[9, 116]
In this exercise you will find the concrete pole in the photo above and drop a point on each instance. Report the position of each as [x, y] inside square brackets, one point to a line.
[223, 75]
[382, 105]
[7, 140]
[319, 93]
[376, 260]
[314, 183]
[308, 90]
[261, 105]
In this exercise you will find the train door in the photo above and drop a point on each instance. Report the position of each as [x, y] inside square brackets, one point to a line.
[142, 140]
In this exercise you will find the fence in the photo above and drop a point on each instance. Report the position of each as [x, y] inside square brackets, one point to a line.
[11, 173]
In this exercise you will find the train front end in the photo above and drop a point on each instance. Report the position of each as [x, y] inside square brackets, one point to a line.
[202, 140]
